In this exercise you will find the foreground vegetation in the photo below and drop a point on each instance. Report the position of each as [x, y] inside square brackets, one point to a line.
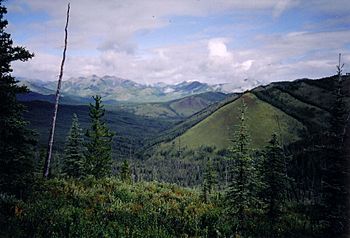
[109, 207]
[300, 190]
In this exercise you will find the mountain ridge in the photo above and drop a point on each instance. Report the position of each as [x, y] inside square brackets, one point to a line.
[114, 89]
[304, 103]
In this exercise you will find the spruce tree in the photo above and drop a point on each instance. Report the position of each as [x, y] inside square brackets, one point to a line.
[336, 173]
[125, 174]
[274, 186]
[242, 192]
[16, 141]
[208, 182]
[99, 143]
[73, 161]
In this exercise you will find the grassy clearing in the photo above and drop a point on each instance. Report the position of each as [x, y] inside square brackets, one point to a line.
[262, 118]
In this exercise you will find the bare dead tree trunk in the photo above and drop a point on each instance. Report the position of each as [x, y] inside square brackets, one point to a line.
[52, 131]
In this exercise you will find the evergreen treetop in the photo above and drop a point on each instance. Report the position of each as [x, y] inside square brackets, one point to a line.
[208, 181]
[99, 142]
[274, 186]
[242, 192]
[125, 172]
[16, 141]
[74, 159]
[336, 172]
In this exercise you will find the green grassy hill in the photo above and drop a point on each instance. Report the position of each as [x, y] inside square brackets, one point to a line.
[192, 104]
[180, 127]
[262, 120]
[287, 108]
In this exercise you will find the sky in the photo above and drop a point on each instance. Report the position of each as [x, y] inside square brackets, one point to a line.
[213, 41]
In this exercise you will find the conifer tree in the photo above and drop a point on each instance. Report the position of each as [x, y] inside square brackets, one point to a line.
[336, 173]
[16, 141]
[125, 172]
[208, 182]
[99, 142]
[73, 162]
[274, 185]
[242, 191]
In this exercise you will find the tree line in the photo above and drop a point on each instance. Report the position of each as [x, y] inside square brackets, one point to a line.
[269, 192]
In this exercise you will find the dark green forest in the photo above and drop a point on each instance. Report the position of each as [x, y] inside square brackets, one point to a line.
[118, 174]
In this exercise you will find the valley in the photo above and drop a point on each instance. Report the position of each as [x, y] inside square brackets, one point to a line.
[174, 119]
[166, 134]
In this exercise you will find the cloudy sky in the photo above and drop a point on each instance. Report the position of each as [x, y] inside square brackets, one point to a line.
[213, 41]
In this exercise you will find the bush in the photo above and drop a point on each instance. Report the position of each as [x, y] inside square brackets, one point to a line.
[110, 208]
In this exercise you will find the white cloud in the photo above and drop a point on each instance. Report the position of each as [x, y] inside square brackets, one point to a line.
[282, 6]
[246, 65]
[280, 58]
[111, 24]
[107, 30]
[218, 48]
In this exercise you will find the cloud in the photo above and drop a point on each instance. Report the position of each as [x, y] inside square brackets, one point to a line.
[246, 65]
[282, 6]
[283, 57]
[112, 24]
[218, 48]
[104, 40]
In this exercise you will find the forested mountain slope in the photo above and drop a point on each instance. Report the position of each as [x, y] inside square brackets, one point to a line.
[131, 130]
[179, 108]
[289, 109]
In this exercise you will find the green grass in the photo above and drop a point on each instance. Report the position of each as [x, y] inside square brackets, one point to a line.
[218, 128]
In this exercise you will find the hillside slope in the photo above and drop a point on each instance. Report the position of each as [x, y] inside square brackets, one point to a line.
[287, 108]
[131, 130]
[309, 101]
[179, 108]
[262, 120]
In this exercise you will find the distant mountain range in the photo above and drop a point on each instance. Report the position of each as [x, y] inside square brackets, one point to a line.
[289, 109]
[114, 89]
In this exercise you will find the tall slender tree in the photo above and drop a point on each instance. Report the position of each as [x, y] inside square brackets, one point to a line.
[274, 186]
[208, 181]
[125, 174]
[242, 192]
[74, 159]
[336, 173]
[99, 142]
[16, 141]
